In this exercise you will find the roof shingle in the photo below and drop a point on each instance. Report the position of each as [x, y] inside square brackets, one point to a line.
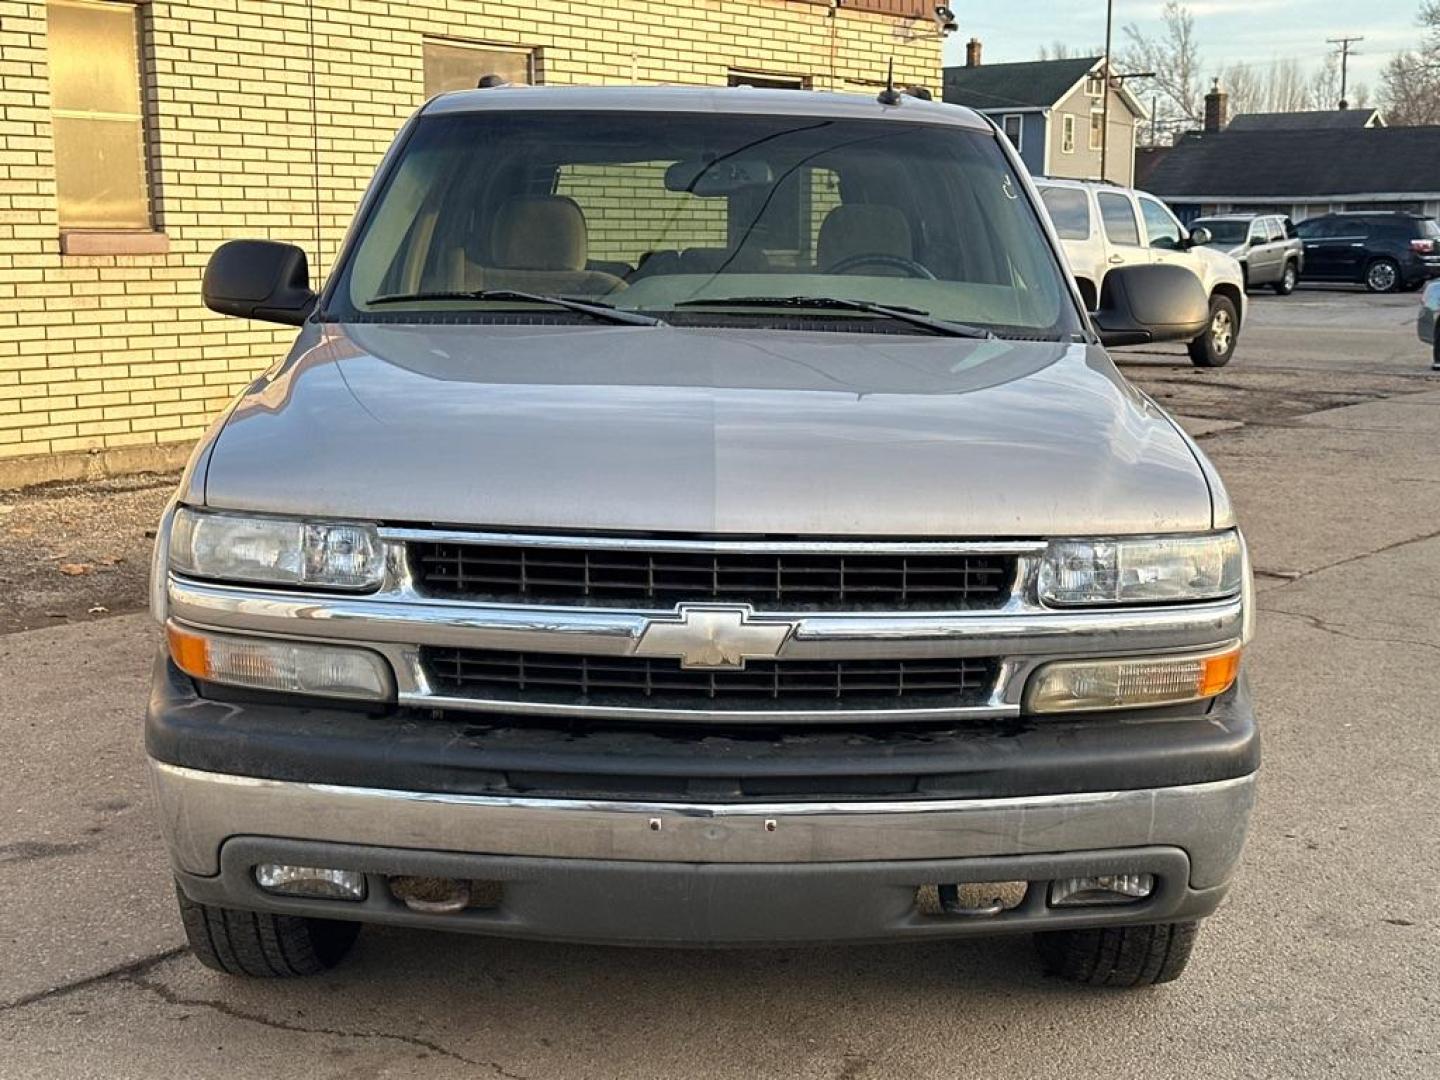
[1328, 119]
[1033, 84]
[1301, 164]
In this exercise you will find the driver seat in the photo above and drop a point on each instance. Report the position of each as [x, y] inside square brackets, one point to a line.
[854, 229]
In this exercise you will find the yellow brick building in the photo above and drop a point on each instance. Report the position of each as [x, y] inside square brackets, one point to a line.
[137, 135]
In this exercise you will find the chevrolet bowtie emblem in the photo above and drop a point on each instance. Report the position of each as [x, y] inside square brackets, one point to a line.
[718, 636]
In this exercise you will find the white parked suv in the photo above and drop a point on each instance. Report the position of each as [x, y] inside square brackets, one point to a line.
[1102, 226]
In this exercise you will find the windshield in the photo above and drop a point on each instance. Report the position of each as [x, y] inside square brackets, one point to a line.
[1223, 232]
[661, 212]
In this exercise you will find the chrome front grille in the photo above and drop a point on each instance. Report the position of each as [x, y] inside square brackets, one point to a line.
[634, 576]
[612, 681]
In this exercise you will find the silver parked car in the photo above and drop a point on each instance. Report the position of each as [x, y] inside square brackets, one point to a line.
[1268, 248]
[700, 517]
[1104, 227]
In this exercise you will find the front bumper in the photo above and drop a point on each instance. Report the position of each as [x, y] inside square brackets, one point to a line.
[686, 873]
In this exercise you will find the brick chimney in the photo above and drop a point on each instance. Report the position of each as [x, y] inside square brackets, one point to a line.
[1217, 103]
[972, 52]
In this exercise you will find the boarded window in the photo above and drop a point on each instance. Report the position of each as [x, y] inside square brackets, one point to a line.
[1097, 130]
[99, 131]
[460, 65]
[768, 81]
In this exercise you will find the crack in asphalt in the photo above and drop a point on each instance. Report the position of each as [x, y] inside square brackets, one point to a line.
[1317, 623]
[1302, 575]
[170, 997]
[134, 967]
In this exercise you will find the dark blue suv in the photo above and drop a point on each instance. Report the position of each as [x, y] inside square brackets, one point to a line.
[1384, 251]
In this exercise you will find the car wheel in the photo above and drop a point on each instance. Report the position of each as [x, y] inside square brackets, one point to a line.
[1215, 347]
[1119, 955]
[262, 945]
[1435, 359]
[1288, 280]
[1382, 276]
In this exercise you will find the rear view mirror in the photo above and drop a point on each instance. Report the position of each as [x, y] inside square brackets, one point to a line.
[1144, 304]
[259, 279]
[721, 176]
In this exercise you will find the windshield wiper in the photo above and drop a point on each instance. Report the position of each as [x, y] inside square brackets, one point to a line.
[596, 310]
[913, 316]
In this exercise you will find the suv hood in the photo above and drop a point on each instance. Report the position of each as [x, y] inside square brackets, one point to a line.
[777, 432]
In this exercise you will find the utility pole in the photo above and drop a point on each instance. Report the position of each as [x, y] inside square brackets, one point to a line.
[1343, 44]
[1105, 108]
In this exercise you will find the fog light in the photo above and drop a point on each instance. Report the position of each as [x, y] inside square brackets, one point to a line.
[1102, 889]
[1132, 682]
[274, 664]
[315, 881]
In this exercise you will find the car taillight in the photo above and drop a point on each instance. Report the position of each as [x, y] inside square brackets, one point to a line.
[1423, 247]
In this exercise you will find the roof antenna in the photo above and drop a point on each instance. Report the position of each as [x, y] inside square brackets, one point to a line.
[889, 96]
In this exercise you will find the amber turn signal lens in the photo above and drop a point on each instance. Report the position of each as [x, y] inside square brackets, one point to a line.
[298, 667]
[1218, 673]
[190, 652]
[1131, 682]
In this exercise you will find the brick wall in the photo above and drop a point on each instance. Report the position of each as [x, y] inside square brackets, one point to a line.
[261, 114]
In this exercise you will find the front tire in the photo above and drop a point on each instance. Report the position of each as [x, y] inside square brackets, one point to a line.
[1288, 280]
[1382, 276]
[262, 945]
[1216, 345]
[1123, 956]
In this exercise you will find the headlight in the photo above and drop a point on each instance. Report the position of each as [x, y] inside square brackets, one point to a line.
[1130, 683]
[1144, 570]
[276, 551]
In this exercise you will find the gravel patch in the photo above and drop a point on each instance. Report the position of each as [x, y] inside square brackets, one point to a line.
[73, 552]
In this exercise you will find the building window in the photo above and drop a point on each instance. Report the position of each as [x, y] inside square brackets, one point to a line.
[1095, 84]
[1097, 130]
[1014, 128]
[99, 128]
[460, 65]
[767, 81]
[1067, 134]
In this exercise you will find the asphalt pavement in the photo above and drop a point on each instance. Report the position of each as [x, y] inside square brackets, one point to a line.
[1325, 960]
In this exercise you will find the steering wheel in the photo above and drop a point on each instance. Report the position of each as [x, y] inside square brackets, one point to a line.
[894, 262]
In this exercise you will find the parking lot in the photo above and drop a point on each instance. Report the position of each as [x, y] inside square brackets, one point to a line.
[1324, 961]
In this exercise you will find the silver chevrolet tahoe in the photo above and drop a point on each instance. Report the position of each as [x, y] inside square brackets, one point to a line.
[700, 517]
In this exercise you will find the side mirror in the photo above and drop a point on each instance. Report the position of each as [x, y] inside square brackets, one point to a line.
[259, 279]
[1200, 236]
[1144, 304]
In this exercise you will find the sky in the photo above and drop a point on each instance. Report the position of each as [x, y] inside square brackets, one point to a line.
[1229, 31]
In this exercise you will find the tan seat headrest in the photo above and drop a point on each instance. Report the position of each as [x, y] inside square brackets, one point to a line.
[862, 229]
[540, 232]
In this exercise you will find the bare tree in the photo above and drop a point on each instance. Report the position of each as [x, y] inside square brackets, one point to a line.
[1174, 57]
[1410, 83]
[1061, 50]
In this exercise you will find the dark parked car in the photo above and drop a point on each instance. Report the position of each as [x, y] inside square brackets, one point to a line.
[1382, 251]
[1267, 247]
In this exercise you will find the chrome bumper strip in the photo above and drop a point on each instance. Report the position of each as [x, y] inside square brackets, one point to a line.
[200, 810]
[403, 618]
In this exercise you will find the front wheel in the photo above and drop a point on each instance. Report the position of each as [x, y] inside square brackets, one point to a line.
[1382, 276]
[1124, 956]
[1288, 280]
[262, 945]
[1216, 345]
